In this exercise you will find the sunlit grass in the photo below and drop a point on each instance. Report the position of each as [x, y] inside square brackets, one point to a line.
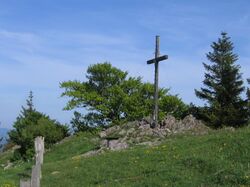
[220, 158]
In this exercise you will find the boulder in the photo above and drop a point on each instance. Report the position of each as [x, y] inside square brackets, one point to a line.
[169, 122]
[102, 134]
[117, 145]
[190, 121]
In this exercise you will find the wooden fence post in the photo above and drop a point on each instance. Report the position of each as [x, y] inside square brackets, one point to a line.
[36, 174]
[39, 149]
[25, 183]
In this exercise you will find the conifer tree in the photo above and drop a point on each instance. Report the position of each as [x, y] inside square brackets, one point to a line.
[31, 123]
[30, 102]
[223, 85]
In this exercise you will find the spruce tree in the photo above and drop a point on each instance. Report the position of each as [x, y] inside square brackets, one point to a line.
[223, 86]
[29, 102]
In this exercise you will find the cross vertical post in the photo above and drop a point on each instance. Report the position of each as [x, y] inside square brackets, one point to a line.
[156, 61]
[156, 107]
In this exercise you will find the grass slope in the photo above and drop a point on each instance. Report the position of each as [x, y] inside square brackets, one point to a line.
[221, 158]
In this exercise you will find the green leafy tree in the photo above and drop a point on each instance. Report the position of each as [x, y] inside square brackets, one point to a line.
[101, 94]
[173, 105]
[110, 96]
[81, 123]
[30, 124]
[223, 85]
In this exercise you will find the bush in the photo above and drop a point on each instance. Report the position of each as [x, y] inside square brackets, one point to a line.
[52, 130]
[174, 106]
[30, 124]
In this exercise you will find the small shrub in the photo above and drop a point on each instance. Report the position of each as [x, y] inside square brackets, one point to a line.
[30, 124]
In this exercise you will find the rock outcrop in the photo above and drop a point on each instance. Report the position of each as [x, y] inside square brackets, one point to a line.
[139, 132]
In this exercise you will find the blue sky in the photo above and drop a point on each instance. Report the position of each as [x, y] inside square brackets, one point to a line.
[46, 42]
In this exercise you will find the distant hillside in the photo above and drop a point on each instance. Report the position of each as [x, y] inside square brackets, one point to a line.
[4, 133]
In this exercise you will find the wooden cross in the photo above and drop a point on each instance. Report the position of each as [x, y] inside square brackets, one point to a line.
[156, 61]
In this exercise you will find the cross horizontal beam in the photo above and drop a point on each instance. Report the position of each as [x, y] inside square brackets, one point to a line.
[158, 59]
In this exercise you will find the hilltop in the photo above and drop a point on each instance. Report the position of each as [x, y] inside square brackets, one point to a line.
[216, 158]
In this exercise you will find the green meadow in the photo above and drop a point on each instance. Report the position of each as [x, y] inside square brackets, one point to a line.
[220, 158]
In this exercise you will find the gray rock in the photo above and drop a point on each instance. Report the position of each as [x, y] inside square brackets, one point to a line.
[169, 122]
[9, 165]
[130, 131]
[132, 124]
[113, 129]
[117, 145]
[144, 126]
[103, 134]
[150, 143]
[147, 119]
[90, 153]
[120, 137]
[190, 121]
[123, 132]
[159, 133]
[104, 143]
[146, 132]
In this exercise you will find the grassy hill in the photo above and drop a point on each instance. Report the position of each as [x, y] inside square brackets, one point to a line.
[220, 158]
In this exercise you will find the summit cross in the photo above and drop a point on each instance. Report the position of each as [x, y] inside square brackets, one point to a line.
[156, 61]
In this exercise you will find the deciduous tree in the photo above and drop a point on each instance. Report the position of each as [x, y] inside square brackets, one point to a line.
[110, 96]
